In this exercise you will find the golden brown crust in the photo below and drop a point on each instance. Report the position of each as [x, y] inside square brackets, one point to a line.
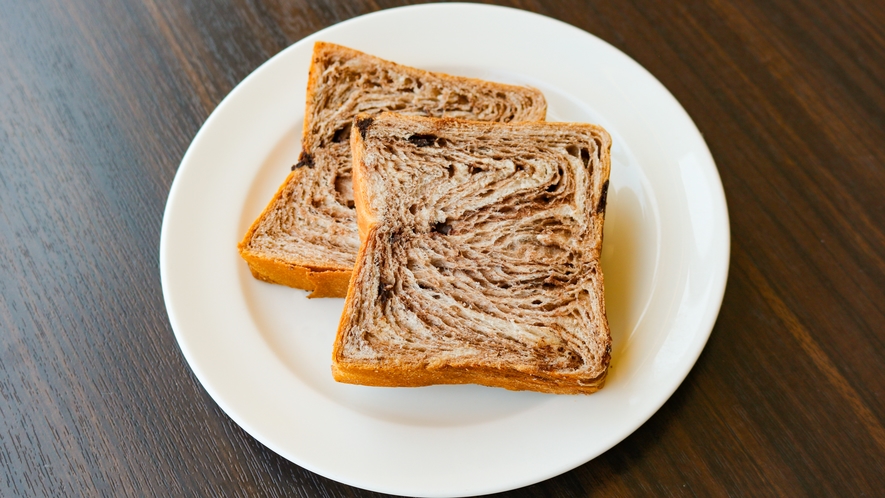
[329, 283]
[322, 283]
[365, 216]
[514, 380]
[278, 272]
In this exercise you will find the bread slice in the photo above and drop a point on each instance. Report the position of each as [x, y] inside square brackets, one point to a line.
[479, 260]
[307, 236]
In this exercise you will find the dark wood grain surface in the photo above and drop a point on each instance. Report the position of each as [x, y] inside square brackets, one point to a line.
[99, 99]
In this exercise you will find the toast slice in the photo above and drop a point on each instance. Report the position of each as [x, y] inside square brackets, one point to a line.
[479, 260]
[307, 235]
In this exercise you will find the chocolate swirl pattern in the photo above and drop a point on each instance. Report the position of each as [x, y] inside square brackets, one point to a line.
[480, 256]
[311, 222]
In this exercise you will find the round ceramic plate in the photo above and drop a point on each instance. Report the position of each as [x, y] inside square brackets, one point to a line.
[263, 352]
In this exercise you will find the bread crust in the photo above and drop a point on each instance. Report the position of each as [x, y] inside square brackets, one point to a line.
[321, 283]
[511, 379]
[366, 216]
[323, 278]
[393, 373]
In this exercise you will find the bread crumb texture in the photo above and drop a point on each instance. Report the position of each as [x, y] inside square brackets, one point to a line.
[311, 223]
[481, 263]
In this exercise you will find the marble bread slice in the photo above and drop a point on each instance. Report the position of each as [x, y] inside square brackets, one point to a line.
[480, 255]
[306, 237]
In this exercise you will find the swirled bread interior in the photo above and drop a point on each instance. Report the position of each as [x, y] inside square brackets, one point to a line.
[307, 235]
[480, 256]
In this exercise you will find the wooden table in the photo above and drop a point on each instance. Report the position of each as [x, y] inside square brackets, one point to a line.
[100, 99]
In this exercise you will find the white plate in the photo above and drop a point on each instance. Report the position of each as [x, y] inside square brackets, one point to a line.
[263, 351]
